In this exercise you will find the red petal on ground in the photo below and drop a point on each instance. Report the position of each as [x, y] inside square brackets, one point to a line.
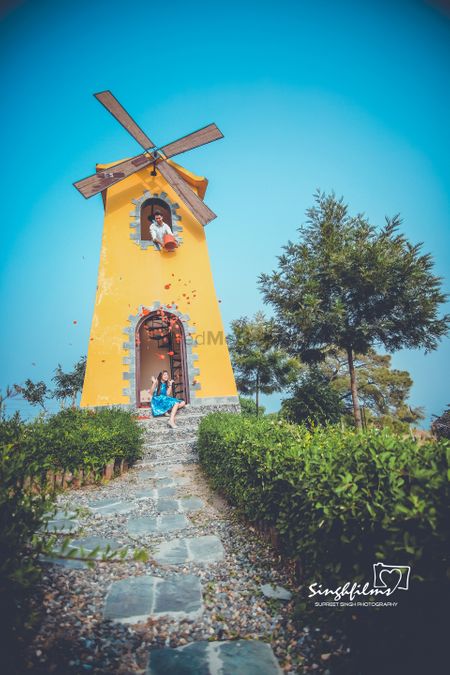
[167, 286]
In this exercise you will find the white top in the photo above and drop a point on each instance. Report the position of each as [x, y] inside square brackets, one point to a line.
[158, 231]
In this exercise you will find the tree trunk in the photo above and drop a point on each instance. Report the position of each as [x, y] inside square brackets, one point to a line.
[257, 394]
[354, 390]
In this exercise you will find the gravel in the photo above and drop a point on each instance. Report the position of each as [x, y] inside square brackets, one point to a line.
[73, 636]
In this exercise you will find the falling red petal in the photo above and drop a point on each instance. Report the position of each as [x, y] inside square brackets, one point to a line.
[74, 322]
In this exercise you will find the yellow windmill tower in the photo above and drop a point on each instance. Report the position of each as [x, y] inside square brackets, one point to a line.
[155, 307]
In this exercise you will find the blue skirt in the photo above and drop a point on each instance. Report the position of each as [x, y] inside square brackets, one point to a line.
[162, 404]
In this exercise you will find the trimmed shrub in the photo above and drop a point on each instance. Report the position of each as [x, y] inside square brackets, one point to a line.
[22, 512]
[71, 441]
[339, 500]
[81, 440]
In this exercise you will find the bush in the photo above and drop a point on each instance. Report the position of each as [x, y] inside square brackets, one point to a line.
[313, 401]
[22, 512]
[339, 500]
[77, 440]
[71, 441]
[248, 407]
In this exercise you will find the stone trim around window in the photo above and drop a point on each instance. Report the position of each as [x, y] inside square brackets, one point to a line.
[135, 224]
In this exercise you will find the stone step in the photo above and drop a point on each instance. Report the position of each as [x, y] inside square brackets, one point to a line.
[146, 418]
[168, 434]
[236, 657]
[157, 442]
[140, 598]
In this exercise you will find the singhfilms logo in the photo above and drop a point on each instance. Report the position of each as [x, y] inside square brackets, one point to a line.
[386, 580]
[391, 576]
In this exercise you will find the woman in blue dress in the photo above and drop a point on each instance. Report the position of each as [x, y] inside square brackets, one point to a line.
[162, 400]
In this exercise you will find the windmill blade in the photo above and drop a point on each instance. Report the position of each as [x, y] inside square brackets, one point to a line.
[201, 137]
[101, 180]
[118, 111]
[203, 214]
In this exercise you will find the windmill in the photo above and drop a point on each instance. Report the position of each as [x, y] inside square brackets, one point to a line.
[154, 156]
[155, 310]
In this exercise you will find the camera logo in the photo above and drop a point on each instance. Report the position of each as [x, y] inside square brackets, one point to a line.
[391, 576]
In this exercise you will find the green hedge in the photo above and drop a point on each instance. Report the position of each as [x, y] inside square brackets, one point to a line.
[76, 440]
[339, 500]
[71, 441]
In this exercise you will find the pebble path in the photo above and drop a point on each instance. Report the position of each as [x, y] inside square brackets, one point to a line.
[213, 598]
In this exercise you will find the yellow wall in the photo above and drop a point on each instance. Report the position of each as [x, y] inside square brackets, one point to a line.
[129, 277]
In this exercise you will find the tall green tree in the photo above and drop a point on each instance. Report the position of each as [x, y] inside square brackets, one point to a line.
[69, 385]
[36, 393]
[345, 284]
[313, 400]
[259, 367]
[383, 390]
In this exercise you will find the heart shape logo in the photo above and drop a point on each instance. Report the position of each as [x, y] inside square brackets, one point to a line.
[391, 579]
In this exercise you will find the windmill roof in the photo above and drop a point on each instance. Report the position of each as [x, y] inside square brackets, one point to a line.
[200, 183]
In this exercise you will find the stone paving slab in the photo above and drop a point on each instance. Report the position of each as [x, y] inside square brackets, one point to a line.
[139, 598]
[171, 482]
[112, 508]
[204, 549]
[145, 475]
[88, 544]
[63, 525]
[237, 657]
[157, 524]
[152, 493]
[70, 564]
[276, 592]
[183, 505]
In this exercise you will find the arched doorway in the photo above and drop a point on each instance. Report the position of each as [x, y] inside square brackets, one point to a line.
[148, 209]
[160, 345]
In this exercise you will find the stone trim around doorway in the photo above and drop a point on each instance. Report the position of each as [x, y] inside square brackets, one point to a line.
[130, 360]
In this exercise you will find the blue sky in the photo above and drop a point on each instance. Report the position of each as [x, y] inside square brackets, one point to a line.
[345, 96]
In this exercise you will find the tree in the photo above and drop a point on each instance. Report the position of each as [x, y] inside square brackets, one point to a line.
[10, 392]
[69, 385]
[248, 407]
[441, 425]
[382, 390]
[259, 367]
[346, 285]
[313, 401]
[35, 393]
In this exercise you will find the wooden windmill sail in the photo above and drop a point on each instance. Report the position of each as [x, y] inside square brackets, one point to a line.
[164, 303]
[156, 157]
